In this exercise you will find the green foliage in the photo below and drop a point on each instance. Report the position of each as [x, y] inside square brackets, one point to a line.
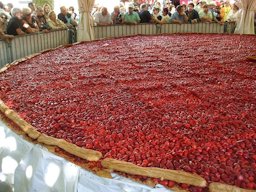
[42, 2]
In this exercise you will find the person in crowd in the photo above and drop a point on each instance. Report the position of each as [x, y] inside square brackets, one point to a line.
[3, 25]
[15, 25]
[212, 7]
[122, 12]
[156, 16]
[55, 23]
[170, 8]
[41, 20]
[136, 9]
[145, 16]
[5, 187]
[200, 5]
[131, 17]
[65, 17]
[234, 17]
[176, 3]
[216, 12]
[2, 10]
[179, 17]
[71, 10]
[165, 16]
[32, 6]
[184, 6]
[1, 7]
[47, 9]
[224, 11]
[193, 16]
[29, 22]
[103, 18]
[207, 16]
[9, 7]
[158, 4]
[116, 15]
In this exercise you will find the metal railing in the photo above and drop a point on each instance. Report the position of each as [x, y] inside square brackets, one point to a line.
[153, 29]
[22, 46]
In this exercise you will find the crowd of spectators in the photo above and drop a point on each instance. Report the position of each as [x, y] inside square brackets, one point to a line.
[33, 19]
[168, 12]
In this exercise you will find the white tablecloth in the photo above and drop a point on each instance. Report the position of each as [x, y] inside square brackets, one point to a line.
[31, 168]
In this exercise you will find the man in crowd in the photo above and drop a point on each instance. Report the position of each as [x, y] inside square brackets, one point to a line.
[65, 17]
[179, 17]
[9, 7]
[145, 16]
[207, 16]
[131, 17]
[29, 21]
[15, 25]
[200, 5]
[116, 15]
[32, 6]
[103, 17]
[71, 10]
[192, 14]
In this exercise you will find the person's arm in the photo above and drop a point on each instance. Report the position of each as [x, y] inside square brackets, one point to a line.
[51, 25]
[174, 19]
[113, 17]
[196, 16]
[97, 20]
[5, 37]
[20, 32]
[62, 25]
[164, 20]
[216, 20]
[110, 22]
[73, 22]
[185, 17]
[203, 17]
[29, 29]
[137, 18]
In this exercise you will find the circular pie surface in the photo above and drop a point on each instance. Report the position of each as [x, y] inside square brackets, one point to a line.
[183, 102]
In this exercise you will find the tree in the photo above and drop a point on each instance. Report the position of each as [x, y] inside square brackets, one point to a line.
[42, 2]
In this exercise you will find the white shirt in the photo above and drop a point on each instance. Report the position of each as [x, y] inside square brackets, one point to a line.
[99, 18]
[234, 16]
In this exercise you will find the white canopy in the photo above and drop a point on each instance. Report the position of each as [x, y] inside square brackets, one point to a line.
[246, 24]
[85, 27]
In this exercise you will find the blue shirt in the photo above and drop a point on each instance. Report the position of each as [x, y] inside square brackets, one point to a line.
[176, 16]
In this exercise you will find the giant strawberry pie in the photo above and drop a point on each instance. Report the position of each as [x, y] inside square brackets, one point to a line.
[178, 109]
